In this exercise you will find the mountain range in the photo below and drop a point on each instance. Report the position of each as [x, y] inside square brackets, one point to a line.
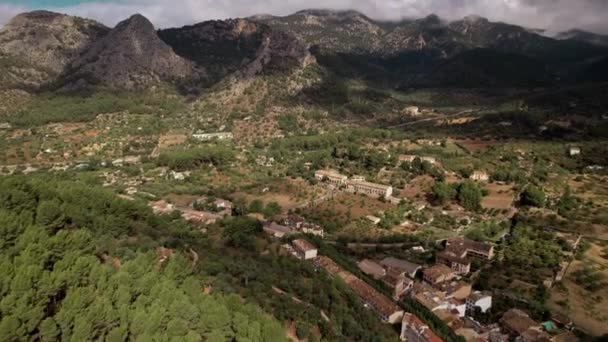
[50, 51]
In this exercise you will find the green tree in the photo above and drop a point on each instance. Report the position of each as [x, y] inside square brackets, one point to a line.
[50, 215]
[533, 196]
[443, 192]
[272, 209]
[256, 206]
[470, 195]
[240, 232]
[49, 331]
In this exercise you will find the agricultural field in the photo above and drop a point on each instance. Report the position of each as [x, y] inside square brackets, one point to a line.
[583, 295]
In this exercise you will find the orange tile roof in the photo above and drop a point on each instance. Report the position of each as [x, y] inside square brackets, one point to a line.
[379, 302]
[423, 330]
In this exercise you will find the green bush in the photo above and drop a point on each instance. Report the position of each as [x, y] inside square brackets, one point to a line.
[533, 196]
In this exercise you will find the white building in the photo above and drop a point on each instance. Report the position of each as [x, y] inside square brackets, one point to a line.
[575, 151]
[178, 176]
[304, 249]
[210, 136]
[373, 219]
[480, 176]
[369, 189]
[480, 299]
[412, 111]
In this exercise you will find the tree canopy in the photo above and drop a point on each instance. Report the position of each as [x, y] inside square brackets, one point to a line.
[57, 283]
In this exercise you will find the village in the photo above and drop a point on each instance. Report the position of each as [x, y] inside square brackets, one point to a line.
[443, 287]
[401, 232]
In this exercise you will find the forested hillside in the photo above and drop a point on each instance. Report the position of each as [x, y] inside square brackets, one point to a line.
[54, 237]
[79, 263]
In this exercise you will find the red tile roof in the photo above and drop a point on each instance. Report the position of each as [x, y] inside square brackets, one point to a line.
[414, 323]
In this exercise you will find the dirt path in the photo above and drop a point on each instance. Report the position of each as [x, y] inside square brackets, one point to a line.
[468, 111]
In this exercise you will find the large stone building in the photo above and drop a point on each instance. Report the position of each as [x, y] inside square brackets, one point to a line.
[369, 189]
[467, 248]
[356, 185]
[396, 280]
[438, 274]
[409, 268]
[331, 176]
[457, 263]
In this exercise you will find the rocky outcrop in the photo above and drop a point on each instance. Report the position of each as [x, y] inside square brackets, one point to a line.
[240, 46]
[36, 47]
[130, 56]
[342, 31]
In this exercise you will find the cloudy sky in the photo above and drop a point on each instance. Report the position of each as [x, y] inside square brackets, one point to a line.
[554, 15]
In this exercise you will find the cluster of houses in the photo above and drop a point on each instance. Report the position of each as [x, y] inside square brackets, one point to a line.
[450, 299]
[453, 301]
[291, 224]
[222, 209]
[356, 185]
[395, 273]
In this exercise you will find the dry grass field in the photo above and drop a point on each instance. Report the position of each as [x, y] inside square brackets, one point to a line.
[499, 197]
[588, 310]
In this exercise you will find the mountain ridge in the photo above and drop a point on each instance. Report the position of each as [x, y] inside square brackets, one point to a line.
[49, 50]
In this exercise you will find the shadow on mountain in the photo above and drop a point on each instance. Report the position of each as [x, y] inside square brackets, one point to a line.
[361, 85]
[239, 48]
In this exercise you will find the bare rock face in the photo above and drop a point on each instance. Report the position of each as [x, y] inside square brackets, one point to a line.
[241, 46]
[36, 47]
[130, 56]
[343, 31]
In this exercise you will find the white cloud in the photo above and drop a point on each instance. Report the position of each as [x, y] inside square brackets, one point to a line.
[8, 11]
[549, 14]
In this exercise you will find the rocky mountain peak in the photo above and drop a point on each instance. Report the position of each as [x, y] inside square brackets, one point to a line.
[35, 17]
[475, 19]
[43, 43]
[131, 55]
[136, 22]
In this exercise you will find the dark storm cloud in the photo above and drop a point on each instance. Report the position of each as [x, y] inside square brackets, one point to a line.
[554, 15]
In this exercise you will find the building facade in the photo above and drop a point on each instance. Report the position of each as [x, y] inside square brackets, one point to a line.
[331, 176]
[304, 249]
[211, 136]
[369, 189]
[458, 264]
